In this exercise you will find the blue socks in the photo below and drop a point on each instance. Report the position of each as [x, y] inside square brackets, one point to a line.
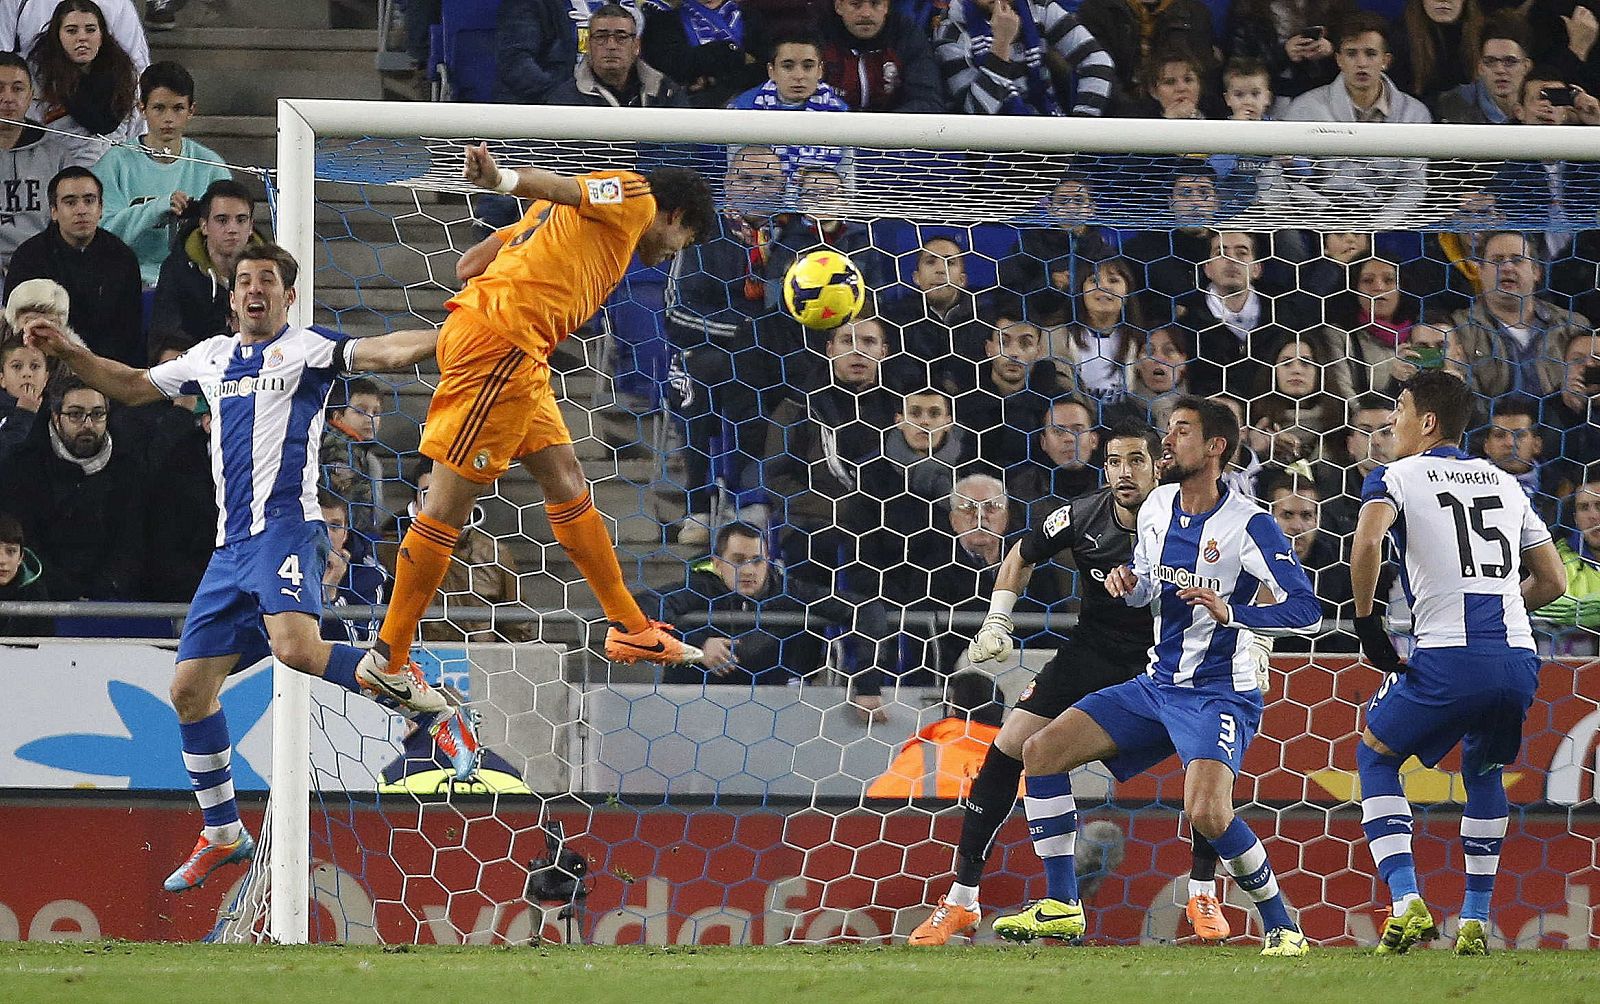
[1483, 831]
[342, 663]
[1246, 860]
[208, 757]
[1053, 826]
[1386, 820]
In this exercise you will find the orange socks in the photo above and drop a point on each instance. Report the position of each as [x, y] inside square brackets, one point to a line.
[418, 570]
[582, 533]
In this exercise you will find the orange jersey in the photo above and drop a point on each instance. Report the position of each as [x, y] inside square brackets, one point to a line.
[560, 263]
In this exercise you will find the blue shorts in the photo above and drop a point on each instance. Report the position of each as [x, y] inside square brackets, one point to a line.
[1451, 694]
[279, 570]
[1149, 722]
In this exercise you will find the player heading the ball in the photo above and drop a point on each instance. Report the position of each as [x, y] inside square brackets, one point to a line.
[1464, 534]
[528, 286]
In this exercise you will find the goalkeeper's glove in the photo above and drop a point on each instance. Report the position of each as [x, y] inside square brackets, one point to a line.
[993, 640]
[1261, 656]
[1376, 646]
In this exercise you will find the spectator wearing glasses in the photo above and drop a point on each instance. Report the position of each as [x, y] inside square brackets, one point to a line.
[611, 73]
[1512, 338]
[80, 500]
[1491, 98]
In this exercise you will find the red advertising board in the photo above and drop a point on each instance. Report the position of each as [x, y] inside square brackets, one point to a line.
[711, 875]
[1306, 749]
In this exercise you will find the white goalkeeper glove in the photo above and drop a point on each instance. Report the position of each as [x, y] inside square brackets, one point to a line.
[993, 640]
[1261, 655]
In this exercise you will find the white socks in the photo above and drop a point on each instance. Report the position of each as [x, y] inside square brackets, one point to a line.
[964, 896]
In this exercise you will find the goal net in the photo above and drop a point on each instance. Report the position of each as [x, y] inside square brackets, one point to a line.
[1076, 272]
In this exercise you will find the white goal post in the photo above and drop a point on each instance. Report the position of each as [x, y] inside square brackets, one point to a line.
[304, 123]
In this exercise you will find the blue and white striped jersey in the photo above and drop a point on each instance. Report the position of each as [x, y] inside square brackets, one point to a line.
[267, 405]
[1460, 529]
[1233, 550]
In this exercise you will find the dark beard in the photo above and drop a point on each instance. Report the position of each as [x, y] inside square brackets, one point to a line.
[1175, 473]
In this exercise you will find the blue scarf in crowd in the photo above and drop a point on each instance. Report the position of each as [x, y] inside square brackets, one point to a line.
[824, 99]
[1041, 98]
[705, 26]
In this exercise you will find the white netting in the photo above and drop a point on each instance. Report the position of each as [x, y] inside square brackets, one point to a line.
[743, 809]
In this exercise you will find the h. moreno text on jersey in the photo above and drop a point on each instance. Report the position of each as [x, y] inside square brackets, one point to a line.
[1184, 579]
[1490, 477]
[245, 386]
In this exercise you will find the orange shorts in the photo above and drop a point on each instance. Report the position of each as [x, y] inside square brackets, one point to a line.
[494, 403]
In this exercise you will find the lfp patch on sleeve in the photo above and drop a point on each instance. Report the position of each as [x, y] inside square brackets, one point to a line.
[1058, 521]
[605, 191]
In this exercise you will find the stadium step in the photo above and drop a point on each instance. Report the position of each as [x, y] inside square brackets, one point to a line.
[245, 70]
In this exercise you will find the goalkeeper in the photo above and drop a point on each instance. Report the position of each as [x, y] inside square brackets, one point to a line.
[1108, 646]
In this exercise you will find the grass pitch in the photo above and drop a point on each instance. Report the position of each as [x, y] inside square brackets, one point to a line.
[101, 973]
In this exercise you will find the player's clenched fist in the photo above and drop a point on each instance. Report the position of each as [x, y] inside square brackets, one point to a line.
[993, 640]
[481, 170]
[1120, 581]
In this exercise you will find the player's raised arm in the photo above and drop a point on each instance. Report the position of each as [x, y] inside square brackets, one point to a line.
[393, 351]
[115, 380]
[523, 182]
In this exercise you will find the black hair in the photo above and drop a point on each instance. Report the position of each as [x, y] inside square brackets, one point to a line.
[224, 188]
[1274, 478]
[1360, 23]
[62, 386]
[67, 174]
[1444, 396]
[16, 62]
[1217, 421]
[166, 74]
[288, 268]
[1507, 27]
[328, 500]
[359, 385]
[1133, 428]
[10, 526]
[732, 530]
[800, 37]
[679, 188]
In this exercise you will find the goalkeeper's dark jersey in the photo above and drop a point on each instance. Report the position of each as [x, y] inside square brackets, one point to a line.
[1088, 527]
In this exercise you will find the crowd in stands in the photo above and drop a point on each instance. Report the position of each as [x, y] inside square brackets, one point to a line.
[883, 467]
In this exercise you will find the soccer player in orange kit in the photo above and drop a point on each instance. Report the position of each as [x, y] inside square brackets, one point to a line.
[528, 286]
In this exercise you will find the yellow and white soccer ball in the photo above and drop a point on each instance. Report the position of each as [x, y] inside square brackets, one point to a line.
[823, 289]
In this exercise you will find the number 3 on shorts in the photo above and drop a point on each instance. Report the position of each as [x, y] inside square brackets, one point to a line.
[1227, 732]
[290, 570]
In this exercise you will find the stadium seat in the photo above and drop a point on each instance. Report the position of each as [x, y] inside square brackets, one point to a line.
[466, 67]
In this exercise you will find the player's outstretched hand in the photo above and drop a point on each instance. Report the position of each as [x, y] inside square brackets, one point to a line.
[481, 170]
[1376, 644]
[46, 336]
[1121, 581]
[1215, 605]
[719, 658]
[993, 640]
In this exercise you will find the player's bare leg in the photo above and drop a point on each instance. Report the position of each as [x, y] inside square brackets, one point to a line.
[582, 533]
[988, 804]
[1208, 801]
[1070, 740]
[207, 755]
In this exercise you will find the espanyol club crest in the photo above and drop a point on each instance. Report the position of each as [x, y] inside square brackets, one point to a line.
[1211, 553]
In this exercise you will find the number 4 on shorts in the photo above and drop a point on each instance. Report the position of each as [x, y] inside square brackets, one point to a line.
[290, 570]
